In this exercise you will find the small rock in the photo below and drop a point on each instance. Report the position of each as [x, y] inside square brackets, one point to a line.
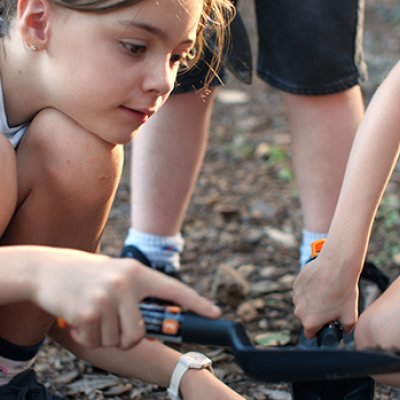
[263, 324]
[260, 210]
[396, 259]
[269, 272]
[90, 383]
[276, 394]
[254, 236]
[272, 339]
[247, 269]
[247, 312]
[258, 303]
[280, 324]
[259, 396]
[67, 377]
[264, 287]
[229, 287]
[287, 280]
[118, 389]
[262, 150]
[281, 238]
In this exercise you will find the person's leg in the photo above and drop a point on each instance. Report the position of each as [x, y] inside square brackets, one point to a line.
[161, 186]
[311, 51]
[67, 179]
[322, 131]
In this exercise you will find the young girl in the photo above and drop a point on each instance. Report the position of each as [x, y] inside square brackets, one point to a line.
[78, 79]
[332, 278]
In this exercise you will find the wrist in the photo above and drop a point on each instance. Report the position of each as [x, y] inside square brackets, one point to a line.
[194, 381]
[347, 261]
[183, 371]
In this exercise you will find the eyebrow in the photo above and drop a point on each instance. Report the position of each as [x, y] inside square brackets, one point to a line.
[152, 29]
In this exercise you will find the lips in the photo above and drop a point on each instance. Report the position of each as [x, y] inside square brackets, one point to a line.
[141, 116]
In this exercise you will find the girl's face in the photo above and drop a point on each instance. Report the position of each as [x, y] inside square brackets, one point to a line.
[111, 72]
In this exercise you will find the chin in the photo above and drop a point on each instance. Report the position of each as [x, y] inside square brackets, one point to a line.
[125, 138]
[134, 134]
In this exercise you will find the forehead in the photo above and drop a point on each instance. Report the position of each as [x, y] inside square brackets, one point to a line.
[177, 10]
[170, 19]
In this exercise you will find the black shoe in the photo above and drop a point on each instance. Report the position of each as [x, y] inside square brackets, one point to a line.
[25, 386]
[131, 251]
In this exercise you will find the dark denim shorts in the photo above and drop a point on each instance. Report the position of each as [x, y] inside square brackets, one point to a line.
[310, 47]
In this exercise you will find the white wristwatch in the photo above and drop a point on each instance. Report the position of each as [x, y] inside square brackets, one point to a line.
[187, 361]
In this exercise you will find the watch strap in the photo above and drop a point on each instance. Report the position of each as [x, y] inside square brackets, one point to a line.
[191, 360]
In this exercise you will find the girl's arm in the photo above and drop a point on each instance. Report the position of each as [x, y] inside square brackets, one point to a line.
[332, 278]
[152, 362]
[97, 294]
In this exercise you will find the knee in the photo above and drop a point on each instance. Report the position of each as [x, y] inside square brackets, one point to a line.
[372, 330]
[364, 332]
[73, 162]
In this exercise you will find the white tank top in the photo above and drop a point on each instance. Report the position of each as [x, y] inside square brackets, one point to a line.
[15, 133]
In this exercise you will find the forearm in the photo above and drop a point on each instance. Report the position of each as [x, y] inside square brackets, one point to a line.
[372, 159]
[18, 266]
[149, 361]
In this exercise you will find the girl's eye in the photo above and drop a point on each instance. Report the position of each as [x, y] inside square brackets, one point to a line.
[134, 49]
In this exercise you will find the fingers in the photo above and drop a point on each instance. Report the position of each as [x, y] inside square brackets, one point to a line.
[166, 288]
[131, 323]
[110, 330]
[310, 333]
[112, 316]
[347, 324]
[313, 323]
[87, 332]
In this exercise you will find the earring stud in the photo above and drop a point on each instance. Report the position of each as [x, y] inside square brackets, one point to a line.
[32, 47]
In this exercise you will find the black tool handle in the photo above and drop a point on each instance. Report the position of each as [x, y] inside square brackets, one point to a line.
[330, 335]
[171, 325]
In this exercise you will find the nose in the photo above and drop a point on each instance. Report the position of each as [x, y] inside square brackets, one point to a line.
[160, 78]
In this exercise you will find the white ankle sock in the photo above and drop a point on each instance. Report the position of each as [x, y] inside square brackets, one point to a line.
[305, 247]
[161, 250]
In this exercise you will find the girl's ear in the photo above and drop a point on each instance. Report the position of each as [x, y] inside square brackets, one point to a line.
[33, 22]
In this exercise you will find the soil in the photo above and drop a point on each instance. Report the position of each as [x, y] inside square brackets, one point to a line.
[244, 220]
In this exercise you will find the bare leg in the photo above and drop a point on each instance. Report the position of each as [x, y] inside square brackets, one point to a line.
[322, 128]
[167, 156]
[67, 180]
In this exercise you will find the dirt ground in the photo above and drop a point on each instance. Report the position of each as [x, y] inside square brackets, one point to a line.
[245, 220]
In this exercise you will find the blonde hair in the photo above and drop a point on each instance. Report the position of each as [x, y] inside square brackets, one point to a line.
[213, 31]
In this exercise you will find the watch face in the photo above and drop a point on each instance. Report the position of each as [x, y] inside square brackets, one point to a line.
[197, 356]
[198, 359]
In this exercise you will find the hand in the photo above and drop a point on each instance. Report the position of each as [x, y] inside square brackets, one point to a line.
[323, 293]
[99, 296]
[202, 384]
